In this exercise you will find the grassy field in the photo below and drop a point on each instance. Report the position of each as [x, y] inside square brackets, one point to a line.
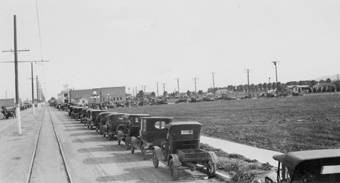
[281, 124]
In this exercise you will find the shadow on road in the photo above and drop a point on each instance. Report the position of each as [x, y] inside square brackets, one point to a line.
[89, 139]
[118, 158]
[102, 148]
[76, 129]
[161, 174]
[83, 133]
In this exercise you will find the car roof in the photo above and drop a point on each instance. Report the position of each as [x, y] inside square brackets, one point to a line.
[181, 123]
[115, 114]
[157, 117]
[292, 159]
[139, 115]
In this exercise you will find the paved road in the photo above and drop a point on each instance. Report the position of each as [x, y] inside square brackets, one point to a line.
[93, 158]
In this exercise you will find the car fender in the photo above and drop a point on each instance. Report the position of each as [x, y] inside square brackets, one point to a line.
[158, 152]
[176, 160]
[213, 157]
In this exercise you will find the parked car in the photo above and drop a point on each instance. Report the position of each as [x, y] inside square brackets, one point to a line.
[100, 121]
[76, 112]
[181, 149]
[152, 133]
[92, 122]
[130, 129]
[110, 124]
[312, 166]
[82, 115]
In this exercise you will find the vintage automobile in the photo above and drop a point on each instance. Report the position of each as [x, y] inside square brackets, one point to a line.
[70, 109]
[101, 120]
[152, 133]
[109, 129]
[92, 120]
[312, 166]
[82, 115]
[181, 149]
[130, 129]
[76, 113]
[8, 112]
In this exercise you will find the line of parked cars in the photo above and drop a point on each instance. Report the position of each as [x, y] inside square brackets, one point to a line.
[176, 144]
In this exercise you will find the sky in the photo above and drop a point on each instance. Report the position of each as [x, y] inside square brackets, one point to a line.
[101, 43]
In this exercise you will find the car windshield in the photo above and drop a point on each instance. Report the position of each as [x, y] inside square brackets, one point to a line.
[317, 173]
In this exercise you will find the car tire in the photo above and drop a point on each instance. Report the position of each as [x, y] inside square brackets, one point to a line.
[173, 170]
[155, 160]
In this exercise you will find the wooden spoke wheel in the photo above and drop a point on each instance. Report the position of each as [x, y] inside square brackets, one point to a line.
[211, 168]
[132, 150]
[173, 170]
[155, 160]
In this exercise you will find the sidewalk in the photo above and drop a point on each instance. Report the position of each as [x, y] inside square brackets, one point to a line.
[262, 155]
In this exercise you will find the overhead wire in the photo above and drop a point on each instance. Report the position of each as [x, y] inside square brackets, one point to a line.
[39, 27]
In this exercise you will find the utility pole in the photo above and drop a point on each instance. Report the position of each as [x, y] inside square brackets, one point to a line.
[178, 86]
[275, 65]
[213, 81]
[195, 81]
[37, 81]
[15, 51]
[248, 88]
[268, 79]
[32, 79]
[163, 88]
[157, 90]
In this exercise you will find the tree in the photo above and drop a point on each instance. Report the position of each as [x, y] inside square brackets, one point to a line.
[189, 93]
[140, 94]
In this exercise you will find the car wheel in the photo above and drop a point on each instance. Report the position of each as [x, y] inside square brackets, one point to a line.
[173, 170]
[211, 168]
[155, 160]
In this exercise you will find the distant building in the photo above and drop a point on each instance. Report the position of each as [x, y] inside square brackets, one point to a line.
[7, 102]
[300, 88]
[98, 95]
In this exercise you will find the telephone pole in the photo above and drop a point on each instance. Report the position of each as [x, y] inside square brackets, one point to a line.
[37, 81]
[157, 90]
[195, 81]
[178, 86]
[163, 88]
[248, 88]
[15, 51]
[275, 65]
[213, 81]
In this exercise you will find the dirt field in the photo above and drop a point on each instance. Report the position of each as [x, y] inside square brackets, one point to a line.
[281, 124]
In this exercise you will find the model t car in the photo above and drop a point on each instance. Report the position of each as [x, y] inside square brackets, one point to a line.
[8, 112]
[101, 120]
[76, 112]
[313, 166]
[130, 129]
[181, 149]
[109, 127]
[82, 115]
[92, 118]
[152, 133]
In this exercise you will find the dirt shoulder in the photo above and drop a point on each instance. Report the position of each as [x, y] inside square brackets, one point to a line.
[16, 150]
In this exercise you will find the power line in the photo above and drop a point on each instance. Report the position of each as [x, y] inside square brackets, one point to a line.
[39, 28]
